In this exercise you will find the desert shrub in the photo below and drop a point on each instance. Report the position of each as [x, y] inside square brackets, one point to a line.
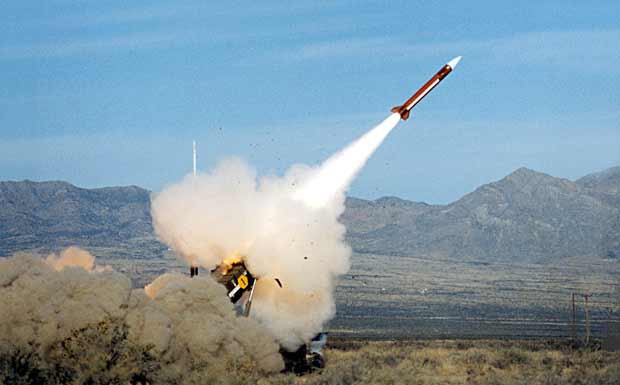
[475, 359]
[464, 345]
[609, 376]
[96, 354]
[21, 366]
[345, 344]
[509, 357]
[103, 354]
[88, 353]
[445, 362]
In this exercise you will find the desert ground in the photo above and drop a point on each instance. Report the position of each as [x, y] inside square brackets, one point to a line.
[398, 297]
[400, 320]
[99, 357]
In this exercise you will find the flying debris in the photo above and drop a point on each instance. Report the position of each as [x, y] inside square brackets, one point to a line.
[405, 109]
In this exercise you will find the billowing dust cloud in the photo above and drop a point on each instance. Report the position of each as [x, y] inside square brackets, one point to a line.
[281, 227]
[74, 256]
[186, 321]
[71, 256]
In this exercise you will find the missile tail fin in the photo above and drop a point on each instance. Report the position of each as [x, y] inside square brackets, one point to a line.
[404, 114]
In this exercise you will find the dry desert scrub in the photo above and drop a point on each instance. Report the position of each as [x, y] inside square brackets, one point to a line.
[466, 362]
[102, 354]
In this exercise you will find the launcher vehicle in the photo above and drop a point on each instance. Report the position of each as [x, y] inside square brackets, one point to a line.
[238, 281]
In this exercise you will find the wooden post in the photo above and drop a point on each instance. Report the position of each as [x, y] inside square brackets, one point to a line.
[587, 319]
[574, 319]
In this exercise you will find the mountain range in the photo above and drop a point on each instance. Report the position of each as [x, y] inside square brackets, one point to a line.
[527, 215]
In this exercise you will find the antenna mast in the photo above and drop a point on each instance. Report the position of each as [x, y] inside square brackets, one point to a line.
[194, 156]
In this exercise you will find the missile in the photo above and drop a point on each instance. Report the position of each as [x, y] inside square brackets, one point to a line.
[405, 109]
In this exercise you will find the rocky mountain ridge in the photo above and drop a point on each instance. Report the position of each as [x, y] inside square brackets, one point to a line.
[526, 215]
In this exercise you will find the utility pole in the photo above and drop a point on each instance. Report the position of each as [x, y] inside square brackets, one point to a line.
[574, 320]
[586, 296]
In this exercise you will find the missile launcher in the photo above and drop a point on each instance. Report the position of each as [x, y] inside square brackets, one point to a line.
[238, 280]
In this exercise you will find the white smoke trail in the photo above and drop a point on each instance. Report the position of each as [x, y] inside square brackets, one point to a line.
[336, 173]
[285, 228]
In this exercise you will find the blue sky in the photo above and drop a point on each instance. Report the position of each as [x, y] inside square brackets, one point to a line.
[104, 93]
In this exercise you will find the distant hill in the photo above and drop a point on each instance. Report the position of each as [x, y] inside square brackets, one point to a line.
[527, 215]
[607, 181]
[56, 214]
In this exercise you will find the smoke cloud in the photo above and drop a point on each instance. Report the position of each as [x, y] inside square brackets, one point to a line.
[281, 227]
[71, 256]
[187, 322]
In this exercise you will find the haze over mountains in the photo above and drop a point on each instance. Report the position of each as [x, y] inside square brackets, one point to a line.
[527, 216]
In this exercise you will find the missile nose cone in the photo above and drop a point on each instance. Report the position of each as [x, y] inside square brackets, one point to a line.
[452, 63]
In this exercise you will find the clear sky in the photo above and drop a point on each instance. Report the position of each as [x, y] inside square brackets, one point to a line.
[103, 93]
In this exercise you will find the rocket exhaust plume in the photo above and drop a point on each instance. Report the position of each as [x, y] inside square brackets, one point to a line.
[230, 213]
[280, 227]
[284, 229]
[336, 173]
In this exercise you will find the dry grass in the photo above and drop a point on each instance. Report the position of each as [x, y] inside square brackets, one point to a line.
[103, 355]
[466, 362]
